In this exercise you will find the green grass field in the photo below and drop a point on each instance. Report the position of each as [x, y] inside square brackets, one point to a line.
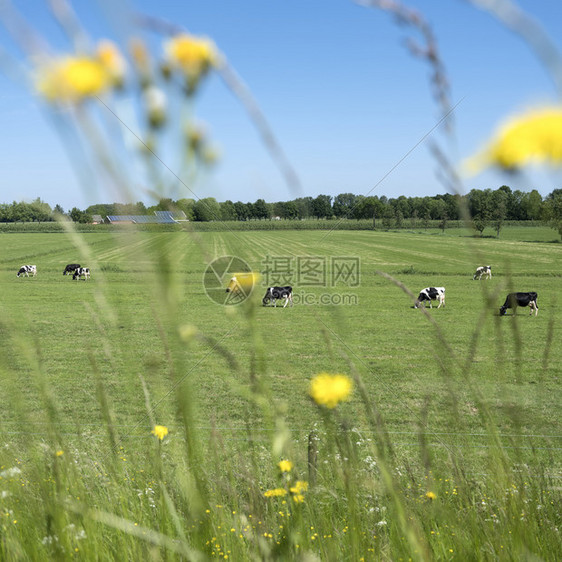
[457, 400]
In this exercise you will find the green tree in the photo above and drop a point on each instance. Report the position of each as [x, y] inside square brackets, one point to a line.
[510, 202]
[206, 209]
[186, 205]
[304, 205]
[532, 204]
[287, 210]
[398, 218]
[499, 201]
[242, 211]
[343, 205]
[322, 206]
[79, 216]
[58, 211]
[228, 211]
[479, 204]
[260, 210]
[402, 205]
[552, 210]
[387, 217]
[41, 211]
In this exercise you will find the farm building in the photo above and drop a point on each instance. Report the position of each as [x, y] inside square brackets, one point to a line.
[159, 217]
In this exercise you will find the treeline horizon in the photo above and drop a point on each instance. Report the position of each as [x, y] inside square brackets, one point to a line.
[485, 208]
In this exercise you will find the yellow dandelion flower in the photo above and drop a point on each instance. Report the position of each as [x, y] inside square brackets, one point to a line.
[285, 465]
[430, 495]
[110, 56]
[298, 498]
[160, 431]
[243, 282]
[532, 138]
[329, 390]
[59, 453]
[299, 487]
[192, 55]
[276, 492]
[71, 79]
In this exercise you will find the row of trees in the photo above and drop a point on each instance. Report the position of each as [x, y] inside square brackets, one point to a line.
[485, 208]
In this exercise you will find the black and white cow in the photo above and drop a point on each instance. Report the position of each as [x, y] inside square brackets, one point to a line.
[274, 293]
[514, 300]
[81, 272]
[483, 270]
[431, 294]
[71, 268]
[26, 270]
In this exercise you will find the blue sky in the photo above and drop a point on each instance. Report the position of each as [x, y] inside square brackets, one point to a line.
[345, 100]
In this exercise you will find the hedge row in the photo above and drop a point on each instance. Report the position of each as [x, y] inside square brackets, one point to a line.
[218, 226]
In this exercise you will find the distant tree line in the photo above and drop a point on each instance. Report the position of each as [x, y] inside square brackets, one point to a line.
[486, 208]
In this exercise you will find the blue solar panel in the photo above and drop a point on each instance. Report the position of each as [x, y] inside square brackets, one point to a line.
[165, 218]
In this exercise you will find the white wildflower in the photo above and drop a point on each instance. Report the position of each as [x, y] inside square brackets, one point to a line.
[10, 472]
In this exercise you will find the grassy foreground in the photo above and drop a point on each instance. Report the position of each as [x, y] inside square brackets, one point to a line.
[449, 447]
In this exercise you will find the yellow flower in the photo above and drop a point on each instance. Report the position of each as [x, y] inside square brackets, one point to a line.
[298, 498]
[285, 465]
[299, 487]
[329, 390]
[430, 495]
[535, 137]
[160, 431]
[275, 492]
[110, 57]
[243, 282]
[193, 56]
[59, 453]
[71, 79]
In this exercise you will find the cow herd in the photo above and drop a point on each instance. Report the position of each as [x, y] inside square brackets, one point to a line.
[513, 300]
[429, 294]
[273, 294]
[77, 271]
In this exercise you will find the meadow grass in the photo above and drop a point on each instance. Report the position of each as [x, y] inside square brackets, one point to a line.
[449, 447]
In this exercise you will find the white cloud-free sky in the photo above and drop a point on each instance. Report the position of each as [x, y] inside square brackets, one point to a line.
[342, 94]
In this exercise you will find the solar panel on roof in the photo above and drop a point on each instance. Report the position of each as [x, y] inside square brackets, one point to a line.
[159, 217]
[165, 216]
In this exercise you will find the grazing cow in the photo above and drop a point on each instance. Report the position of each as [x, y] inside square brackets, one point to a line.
[26, 270]
[274, 293]
[483, 270]
[81, 272]
[71, 268]
[431, 294]
[514, 300]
